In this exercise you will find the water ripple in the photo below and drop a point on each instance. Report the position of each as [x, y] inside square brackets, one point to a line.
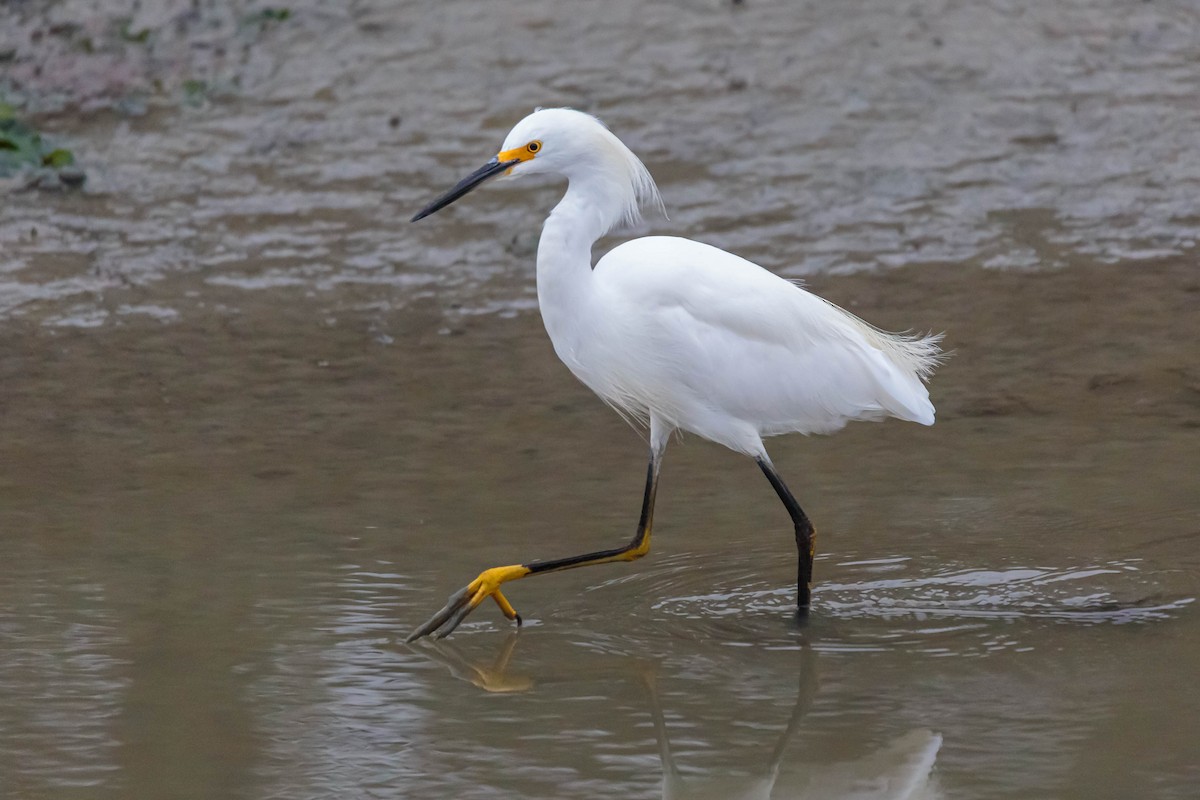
[920, 604]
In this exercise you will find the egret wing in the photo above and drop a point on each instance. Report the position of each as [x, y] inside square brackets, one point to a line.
[750, 344]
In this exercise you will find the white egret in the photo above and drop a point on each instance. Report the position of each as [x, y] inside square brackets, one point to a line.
[679, 335]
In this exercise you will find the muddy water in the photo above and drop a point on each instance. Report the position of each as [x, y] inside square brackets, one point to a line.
[253, 427]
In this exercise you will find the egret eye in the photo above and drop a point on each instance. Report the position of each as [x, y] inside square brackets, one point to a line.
[533, 147]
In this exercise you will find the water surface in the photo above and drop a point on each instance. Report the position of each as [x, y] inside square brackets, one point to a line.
[254, 427]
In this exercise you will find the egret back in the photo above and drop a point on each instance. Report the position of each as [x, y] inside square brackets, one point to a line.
[715, 344]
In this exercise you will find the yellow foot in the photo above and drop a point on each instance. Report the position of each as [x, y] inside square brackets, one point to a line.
[468, 598]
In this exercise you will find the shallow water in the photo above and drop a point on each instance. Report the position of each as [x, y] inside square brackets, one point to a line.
[254, 427]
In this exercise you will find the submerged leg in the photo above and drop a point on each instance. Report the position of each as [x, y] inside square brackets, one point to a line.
[488, 583]
[806, 535]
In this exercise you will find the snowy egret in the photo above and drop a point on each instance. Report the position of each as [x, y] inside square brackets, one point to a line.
[679, 335]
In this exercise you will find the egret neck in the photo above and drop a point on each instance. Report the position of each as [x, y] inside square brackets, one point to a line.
[591, 207]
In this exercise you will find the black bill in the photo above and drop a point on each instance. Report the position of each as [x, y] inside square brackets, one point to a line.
[493, 167]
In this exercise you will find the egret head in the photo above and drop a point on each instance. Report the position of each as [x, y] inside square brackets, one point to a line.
[566, 142]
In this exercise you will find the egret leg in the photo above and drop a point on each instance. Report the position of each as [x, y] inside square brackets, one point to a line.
[806, 536]
[467, 599]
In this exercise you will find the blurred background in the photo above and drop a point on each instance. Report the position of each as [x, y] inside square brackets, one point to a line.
[254, 425]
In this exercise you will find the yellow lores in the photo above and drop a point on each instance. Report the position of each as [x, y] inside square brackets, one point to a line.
[518, 154]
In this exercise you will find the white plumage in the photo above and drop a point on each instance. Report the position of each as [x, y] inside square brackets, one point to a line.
[684, 336]
[688, 336]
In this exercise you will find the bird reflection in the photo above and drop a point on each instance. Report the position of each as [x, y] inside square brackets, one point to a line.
[741, 787]
[900, 770]
[495, 677]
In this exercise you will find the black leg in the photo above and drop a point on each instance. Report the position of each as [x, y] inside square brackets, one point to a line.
[806, 536]
[637, 547]
[467, 599]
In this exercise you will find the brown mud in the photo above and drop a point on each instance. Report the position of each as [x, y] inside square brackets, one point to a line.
[254, 426]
